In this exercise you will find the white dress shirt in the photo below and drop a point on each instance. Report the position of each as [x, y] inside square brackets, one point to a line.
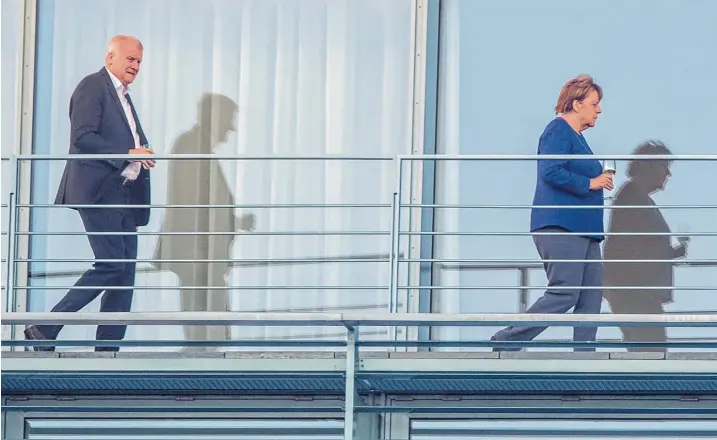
[132, 170]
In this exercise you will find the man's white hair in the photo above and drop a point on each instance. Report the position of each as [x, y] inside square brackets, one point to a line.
[119, 39]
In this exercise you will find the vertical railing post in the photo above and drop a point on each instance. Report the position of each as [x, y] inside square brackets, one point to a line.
[524, 290]
[395, 247]
[396, 244]
[395, 237]
[12, 244]
[393, 261]
[351, 396]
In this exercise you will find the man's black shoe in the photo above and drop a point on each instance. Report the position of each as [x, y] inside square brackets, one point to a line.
[33, 334]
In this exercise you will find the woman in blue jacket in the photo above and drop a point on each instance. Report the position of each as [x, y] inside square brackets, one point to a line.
[574, 183]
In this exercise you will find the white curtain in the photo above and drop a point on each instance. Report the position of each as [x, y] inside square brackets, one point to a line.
[309, 77]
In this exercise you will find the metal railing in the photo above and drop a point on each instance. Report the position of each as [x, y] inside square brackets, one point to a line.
[523, 267]
[15, 233]
[353, 323]
[524, 270]
[394, 259]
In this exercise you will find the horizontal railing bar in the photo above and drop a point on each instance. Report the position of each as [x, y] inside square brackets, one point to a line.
[379, 258]
[233, 263]
[452, 206]
[540, 266]
[361, 205]
[388, 343]
[537, 344]
[217, 233]
[43, 157]
[353, 319]
[243, 287]
[674, 338]
[402, 157]
[341, 260]
[332, 233]
[222, 260]
[173, 343]
[536, 262]
[710, 288]
[266, 205]
[561, 234]
[304, 287]
[497, 264]
[621, 157]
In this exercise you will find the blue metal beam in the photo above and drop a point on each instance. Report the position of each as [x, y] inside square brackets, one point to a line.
[329, 383]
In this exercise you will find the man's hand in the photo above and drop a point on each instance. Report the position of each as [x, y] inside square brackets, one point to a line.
[603, 181]
[146, 163]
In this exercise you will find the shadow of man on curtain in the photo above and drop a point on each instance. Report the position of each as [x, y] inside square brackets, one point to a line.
[202, 182]
[652, 281]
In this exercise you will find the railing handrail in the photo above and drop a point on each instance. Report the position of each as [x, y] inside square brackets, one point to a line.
[519, 266]
[354, 205]
[352, 320]
[399, 157]
[195, 156]
[501, 157]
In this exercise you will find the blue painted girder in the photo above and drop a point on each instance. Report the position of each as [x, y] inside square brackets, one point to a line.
[333, 383]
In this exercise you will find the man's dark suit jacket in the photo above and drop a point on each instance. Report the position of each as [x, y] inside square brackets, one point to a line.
[98, 125]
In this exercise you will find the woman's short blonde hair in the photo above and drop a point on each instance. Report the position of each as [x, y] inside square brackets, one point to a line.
[576, 89]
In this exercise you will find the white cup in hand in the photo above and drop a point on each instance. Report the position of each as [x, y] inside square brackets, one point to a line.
[683, 239]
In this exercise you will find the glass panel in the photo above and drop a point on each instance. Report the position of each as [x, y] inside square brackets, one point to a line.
[501, 74]
[146, 429]
[11, 54]
[314, 78]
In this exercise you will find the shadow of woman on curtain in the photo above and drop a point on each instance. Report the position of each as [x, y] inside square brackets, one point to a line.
[652, 281]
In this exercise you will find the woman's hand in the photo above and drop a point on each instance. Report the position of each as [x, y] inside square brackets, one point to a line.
[679, 251]
[603, 181]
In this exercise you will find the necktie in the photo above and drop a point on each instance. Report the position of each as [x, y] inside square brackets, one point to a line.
[131, 172]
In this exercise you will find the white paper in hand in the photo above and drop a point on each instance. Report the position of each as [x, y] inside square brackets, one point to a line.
[131, 171]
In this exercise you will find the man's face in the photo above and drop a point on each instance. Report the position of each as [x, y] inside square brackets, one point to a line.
[125, 60]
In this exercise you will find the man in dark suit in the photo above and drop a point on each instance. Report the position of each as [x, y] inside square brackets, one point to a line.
[103, 121]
